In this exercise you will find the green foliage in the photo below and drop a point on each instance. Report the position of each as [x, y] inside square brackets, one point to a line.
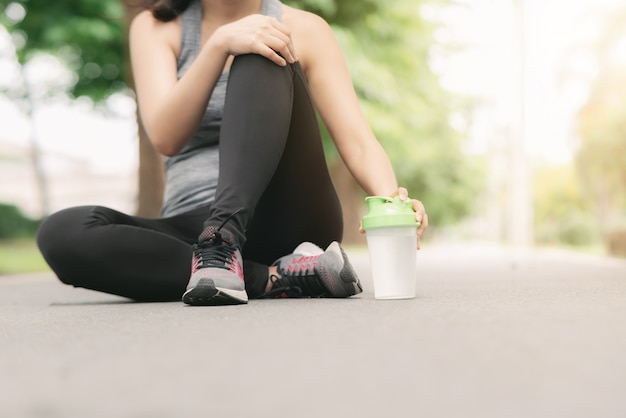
[87, 35]
[601, 158]
[13, 224]
[387, 46]
[602, 155]
[562, 214]
[339, 12]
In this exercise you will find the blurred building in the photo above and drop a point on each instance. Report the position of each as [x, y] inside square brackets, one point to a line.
[70, 181]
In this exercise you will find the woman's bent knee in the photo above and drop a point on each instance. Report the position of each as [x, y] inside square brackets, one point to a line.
[60, 237]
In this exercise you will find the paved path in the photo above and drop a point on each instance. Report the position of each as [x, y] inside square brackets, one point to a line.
[492, 333]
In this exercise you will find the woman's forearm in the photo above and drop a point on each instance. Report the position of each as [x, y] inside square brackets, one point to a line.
[372, 170]
[172, 108]
[177, 116]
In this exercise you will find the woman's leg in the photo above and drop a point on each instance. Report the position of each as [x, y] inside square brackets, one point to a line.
[300, 202]
[272, 163]
[105, 250]
[254, 130]
[255, 125]
[274, 189]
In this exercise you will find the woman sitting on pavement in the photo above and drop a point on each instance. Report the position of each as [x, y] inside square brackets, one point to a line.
[228, 92]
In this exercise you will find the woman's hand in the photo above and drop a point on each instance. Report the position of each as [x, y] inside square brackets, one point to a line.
[420, 213]
[257, 34]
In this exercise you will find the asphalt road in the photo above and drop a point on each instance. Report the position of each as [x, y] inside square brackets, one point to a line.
[492, 333]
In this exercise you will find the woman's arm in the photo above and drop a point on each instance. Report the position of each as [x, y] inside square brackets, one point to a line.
[338, 105]
[171, 109]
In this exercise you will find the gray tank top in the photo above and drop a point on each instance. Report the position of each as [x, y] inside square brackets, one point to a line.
[191, 175]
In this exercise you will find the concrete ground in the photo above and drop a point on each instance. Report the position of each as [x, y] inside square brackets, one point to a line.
[492, 333]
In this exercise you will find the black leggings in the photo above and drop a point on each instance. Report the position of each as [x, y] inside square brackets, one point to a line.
[271, 164]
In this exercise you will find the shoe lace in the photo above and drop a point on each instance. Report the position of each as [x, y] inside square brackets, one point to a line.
[298, 279]
[212, 254]
[215, 252]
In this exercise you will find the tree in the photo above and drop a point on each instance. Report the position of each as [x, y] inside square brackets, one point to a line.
[89, 37]
[151, 173]
[388, 46]
[561, 210]
[85, 35]
[601, 157]
[27, 93]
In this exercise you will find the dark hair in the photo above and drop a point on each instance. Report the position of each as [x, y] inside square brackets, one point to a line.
[166, 10]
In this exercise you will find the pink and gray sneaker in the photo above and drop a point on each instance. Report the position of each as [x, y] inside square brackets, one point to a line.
[313, 273]
[217, 273]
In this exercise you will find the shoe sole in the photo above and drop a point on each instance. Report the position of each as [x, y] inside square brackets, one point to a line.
[205, 293]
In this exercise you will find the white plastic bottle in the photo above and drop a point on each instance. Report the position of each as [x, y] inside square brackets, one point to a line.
[391, 231]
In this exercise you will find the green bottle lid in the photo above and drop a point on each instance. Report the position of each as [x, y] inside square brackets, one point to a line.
[388, 212]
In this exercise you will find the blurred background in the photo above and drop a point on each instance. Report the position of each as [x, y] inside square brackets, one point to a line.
[507, 118]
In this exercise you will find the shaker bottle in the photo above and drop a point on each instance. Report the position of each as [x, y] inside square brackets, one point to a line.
[391, 232]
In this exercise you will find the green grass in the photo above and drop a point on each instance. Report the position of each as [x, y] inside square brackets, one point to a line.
[20, 256]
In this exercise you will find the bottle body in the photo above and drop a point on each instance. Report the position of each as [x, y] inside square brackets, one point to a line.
[393, 257]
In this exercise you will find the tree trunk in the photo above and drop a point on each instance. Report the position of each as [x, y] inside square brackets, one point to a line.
[352, 203]
[151, 172]
[35, 151]
[151, 177]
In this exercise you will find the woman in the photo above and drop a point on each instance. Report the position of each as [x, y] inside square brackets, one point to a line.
[228, 91]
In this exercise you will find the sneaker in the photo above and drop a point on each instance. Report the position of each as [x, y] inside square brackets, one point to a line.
[328, 274]
[217, 273]
[308, 249]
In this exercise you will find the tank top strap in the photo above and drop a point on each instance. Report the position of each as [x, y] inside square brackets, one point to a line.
[191, 31]
[272, 8]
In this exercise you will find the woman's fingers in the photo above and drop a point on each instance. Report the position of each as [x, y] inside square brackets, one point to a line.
[420, 211]
[284, 34]
[402, 193]
[276, 36]
[261, 35]
[423, 225]
[420, 214]
[418, 207]
[280, 47]
[421, 217]
[270, 54]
